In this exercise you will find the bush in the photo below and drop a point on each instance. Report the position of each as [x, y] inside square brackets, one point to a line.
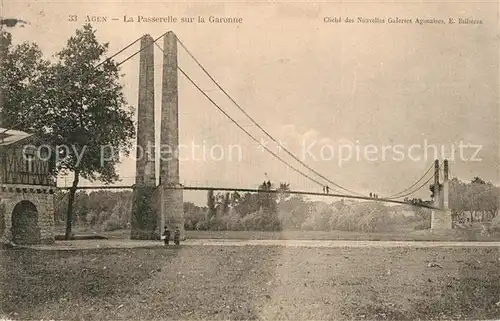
[250, 221]
[495, 224]
[293, 212]
[217, 224]
[201, 225]
[91, 219]
[194, 217]
[376, 221]
[261, 221]
[111, 224]
[234, 222]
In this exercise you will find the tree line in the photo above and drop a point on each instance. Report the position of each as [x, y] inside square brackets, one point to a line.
[262, 211]
[474, 201]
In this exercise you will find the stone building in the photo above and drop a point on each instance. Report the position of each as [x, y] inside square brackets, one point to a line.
[26, 189]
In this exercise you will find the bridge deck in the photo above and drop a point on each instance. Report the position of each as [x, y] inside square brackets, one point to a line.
[250, 190]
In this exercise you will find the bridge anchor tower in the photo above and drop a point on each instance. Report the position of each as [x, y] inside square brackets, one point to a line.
[157, 206]
[171, 199]
[144, 212]
[441, 218]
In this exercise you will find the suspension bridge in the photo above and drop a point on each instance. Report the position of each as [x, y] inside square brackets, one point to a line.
[166, 198]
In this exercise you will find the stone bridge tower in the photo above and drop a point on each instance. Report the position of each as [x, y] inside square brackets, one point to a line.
[144, 214]
[441, 219]
[157, 206]
[171, 195]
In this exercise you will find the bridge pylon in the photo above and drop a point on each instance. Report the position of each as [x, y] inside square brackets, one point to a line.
[144, 210]
[441, 218]
[163, 205]
[171, 201]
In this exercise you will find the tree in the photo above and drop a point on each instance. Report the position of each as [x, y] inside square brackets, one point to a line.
[477, 197]
[12, 22]
[421, 211]
[492, 201]
[283, 194]
[478, 180]
[481, 197]
[226, 203]
[85, 111]
[293, 211]
[457, 202]
[21, 70]
[211, 204]
[248, 203]
[235, 199]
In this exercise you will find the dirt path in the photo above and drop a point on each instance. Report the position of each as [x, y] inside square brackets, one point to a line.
[95, 244]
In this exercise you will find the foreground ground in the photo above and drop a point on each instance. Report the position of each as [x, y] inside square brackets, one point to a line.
[251, 282]
[474, 234]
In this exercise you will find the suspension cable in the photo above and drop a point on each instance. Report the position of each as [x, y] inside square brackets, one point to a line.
[245, 131]
[411, 186]
[260, 127]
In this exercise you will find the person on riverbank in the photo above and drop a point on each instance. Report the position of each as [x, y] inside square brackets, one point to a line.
[177, 236]
[166, 236]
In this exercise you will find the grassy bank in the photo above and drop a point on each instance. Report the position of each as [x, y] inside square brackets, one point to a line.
[265, 283]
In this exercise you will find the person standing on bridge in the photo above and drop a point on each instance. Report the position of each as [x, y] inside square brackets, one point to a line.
[327, 189]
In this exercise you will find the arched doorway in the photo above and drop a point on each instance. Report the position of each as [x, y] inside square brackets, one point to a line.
[25, 228]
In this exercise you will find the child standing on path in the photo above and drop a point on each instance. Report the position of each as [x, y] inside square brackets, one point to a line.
[177, 236]
[166, 235]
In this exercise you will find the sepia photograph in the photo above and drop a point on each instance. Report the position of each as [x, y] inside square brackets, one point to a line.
[270, 160]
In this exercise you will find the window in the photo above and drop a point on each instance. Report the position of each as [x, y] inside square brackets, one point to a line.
[43, 153]
[29, 163]
[29, 150]
[29, 157]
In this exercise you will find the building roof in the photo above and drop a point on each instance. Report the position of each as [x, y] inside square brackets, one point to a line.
[10, 136]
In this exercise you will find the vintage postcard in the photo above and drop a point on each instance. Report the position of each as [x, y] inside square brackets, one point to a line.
[248, 160]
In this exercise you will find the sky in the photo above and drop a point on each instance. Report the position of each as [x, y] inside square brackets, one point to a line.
[317, 87]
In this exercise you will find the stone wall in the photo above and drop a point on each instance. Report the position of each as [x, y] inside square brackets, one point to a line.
[42, 198]
[441, 220]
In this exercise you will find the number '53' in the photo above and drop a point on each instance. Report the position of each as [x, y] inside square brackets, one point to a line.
[72, 18]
